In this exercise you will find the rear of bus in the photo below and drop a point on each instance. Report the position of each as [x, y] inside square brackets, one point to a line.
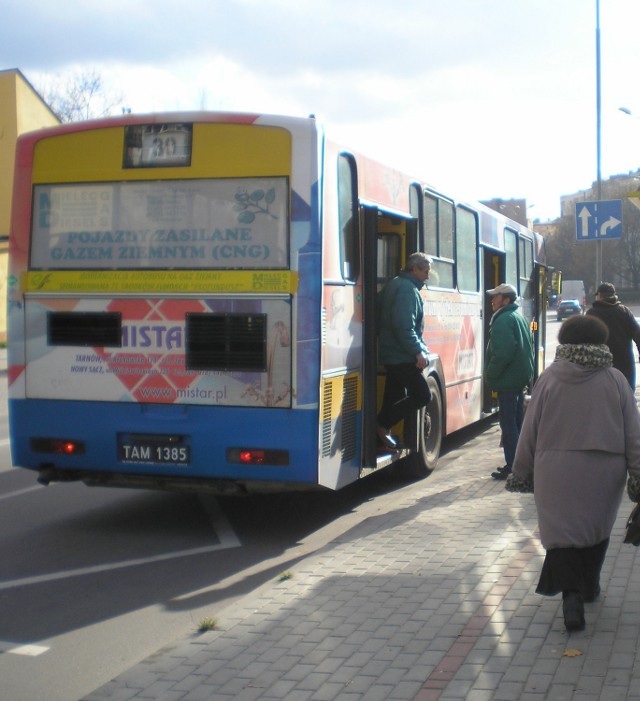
[164, 302]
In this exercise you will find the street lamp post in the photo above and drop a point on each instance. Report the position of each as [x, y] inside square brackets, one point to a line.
[598, 141]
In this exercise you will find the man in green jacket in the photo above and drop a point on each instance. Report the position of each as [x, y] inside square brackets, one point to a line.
[401, 348]
[508, 367]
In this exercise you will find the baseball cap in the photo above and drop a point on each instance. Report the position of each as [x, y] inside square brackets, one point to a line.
[503, 289]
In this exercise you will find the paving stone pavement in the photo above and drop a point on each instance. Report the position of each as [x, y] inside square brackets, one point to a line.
[430, 598]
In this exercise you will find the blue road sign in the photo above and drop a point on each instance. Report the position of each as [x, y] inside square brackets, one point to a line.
[599, 220]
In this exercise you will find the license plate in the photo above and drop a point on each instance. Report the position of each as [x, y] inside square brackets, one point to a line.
[154, 450]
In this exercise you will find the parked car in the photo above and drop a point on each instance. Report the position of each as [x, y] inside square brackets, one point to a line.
[568, 307]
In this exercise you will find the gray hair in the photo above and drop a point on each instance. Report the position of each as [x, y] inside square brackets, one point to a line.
[417, 260]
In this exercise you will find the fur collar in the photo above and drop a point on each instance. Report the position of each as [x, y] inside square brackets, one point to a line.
[589, 355]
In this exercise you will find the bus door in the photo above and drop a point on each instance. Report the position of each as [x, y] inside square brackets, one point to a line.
[540, 282]
[494, 274]
[387, 241]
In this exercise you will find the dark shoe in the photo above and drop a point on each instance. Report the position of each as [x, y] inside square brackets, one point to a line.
[573, 610]
[501, 473]
[385, 438]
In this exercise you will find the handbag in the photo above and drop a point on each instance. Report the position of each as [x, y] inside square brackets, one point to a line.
[633, 527]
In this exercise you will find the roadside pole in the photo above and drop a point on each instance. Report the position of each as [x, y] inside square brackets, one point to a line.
[598, 141]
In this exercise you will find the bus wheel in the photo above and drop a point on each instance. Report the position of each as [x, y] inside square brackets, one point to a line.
[425, 460]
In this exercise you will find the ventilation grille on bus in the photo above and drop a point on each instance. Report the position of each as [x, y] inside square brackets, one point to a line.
[349, 408]
[97, 329]
[326, 419]
[339, 432]
[226, 342]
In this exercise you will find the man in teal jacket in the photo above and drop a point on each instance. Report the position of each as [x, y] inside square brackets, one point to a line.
[508, 367]
[401, 348]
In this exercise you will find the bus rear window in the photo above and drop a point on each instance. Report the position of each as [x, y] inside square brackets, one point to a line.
[226, 223]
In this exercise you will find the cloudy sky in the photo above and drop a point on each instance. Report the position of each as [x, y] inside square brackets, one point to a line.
[483, 98]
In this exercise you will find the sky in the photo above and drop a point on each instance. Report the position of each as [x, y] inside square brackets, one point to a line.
[481, 98]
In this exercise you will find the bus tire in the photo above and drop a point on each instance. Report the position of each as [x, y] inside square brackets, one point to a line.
[423, 462]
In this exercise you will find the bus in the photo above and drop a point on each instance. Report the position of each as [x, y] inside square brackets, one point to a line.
[191, 304]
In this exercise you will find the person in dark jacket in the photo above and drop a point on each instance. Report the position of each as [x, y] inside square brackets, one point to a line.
[401, 348]
[508, 367]
[623, 329]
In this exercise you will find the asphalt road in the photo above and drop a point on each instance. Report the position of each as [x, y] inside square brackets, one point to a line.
[94, 580]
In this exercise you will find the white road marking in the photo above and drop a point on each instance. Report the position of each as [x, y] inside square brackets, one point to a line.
[219, 522]
[228, 539]
[82, 571]
[29, 650]
[20, 491]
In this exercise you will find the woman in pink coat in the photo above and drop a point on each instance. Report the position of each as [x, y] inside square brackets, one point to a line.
[580, 439]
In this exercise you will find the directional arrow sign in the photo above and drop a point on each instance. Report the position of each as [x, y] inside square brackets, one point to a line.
[599, 220]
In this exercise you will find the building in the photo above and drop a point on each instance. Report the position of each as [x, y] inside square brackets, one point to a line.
[22, 109]
[628, 183]
[546, 229]
[514, 209]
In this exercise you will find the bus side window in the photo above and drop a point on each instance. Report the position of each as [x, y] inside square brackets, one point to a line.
[525, 267]
[431, 225]
[438, 234]
[511, 257]
[466, 250]
[389, 251]
[348, 217]
[445, 229]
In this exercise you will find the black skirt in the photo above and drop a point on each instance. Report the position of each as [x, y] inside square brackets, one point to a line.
[573, 569]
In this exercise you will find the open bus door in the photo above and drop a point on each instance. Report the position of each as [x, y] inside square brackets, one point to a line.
[494, 268]
[539, 324]
[554, 278]
[369, 336]
[387, 241]
[494, 273]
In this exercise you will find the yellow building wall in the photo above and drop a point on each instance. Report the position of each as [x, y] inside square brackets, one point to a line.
[21, 110]
[8, 136]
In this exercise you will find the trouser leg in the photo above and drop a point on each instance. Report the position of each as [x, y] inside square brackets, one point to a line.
[405, 392]
[511, 414]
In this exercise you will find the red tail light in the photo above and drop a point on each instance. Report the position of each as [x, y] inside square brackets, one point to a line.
[257, 456]
[58, 446]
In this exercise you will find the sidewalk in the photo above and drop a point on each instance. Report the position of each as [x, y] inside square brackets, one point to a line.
[430, 598]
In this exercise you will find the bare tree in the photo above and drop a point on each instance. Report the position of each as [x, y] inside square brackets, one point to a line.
[626, 262]
[80, 96]
[564, 252]
[620, 257]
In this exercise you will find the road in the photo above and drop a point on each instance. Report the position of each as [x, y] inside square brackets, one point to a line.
[94, 580]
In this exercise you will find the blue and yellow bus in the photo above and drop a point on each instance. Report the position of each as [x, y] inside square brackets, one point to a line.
[191, 304]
